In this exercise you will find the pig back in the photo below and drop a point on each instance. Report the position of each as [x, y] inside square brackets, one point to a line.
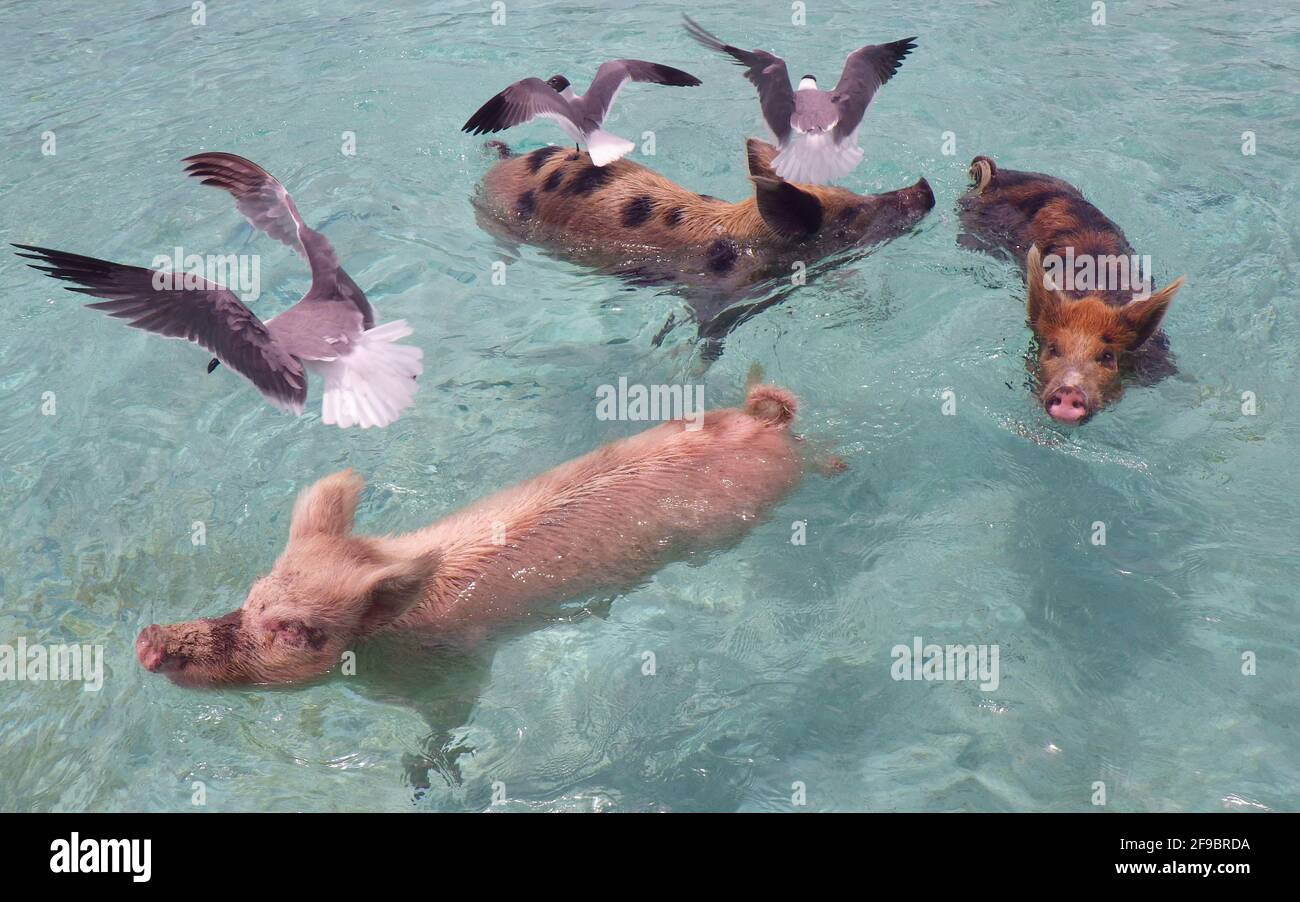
[607, 520]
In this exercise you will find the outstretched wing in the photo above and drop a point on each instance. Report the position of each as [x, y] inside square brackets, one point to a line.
[865, 71]
[206, 314]
[765, 71]
[268, 207]
[523, 101]
[611, 77]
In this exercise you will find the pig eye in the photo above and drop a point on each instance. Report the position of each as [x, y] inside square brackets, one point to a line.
[1106, 357]
[1051, 350]
[297, 634]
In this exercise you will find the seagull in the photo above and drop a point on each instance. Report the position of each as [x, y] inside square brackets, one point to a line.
[581, 116]
[369, 378]
[817, 130]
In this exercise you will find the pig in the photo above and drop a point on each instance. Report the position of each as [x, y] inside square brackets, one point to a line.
[604, 521]
[628, 220]
[1090, 335]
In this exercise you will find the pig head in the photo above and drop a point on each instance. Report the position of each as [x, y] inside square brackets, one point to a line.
[628, 220]
[1089, 334]
[327, 590]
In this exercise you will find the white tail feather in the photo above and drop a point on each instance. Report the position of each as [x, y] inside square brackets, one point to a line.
[606, 148]
[816, 159]
[375, 382]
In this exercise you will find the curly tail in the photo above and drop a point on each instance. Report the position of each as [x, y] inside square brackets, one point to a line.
[982, 171]
[775, 405]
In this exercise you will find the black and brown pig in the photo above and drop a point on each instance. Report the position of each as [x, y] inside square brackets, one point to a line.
[626, 219]
[1091, 305]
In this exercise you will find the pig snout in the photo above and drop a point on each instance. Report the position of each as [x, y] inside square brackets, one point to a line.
[151, 649]
[1067, 404]
[911, 203]
[919, 198]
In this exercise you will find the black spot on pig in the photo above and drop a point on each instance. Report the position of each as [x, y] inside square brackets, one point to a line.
[588, 179]
[538, 157]
[675, 216]
[636, 211]
[526, 204]
[553, 180]
[721, 256]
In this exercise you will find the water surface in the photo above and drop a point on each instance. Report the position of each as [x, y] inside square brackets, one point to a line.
[1120, 663]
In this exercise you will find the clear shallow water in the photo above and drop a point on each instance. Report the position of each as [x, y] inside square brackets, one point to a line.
[1119, 663]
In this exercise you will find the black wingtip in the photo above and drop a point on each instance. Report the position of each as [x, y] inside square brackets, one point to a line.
[37, 253]
[487, 118]
[701, 35]
[213, 364]
[677, 78]
[217, 155]
[903, 48]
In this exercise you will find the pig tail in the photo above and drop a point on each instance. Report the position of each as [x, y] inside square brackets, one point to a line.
[982, 170]
[774, 405]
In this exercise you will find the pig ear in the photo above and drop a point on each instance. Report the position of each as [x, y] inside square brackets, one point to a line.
[1043, 299]
[789, 211]
[760, 155]
[391, 591]
[327, 508]
[1145, 316]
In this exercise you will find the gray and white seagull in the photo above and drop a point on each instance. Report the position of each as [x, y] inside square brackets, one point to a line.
[816, 130]
[369, 378]
[580, 115]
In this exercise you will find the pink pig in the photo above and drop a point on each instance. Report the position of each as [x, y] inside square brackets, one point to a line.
[601, 522]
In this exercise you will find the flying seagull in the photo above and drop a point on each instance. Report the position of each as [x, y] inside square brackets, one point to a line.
[579, 115]
[817, 130]
[369, 378]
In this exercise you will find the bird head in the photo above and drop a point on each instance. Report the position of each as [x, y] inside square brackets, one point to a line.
[807, 83]
[558, 82]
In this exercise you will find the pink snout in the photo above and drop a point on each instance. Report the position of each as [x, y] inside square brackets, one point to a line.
[151, 649]
[1067, 405]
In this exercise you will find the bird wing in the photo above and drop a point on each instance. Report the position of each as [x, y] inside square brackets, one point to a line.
[610, 78]
[865, 71]
[198, 311]
[523, 101]
[268, 207]
[765, 71]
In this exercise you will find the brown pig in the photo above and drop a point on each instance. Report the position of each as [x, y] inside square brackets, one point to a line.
[1090, 303]
[627, 219]
[601, 522]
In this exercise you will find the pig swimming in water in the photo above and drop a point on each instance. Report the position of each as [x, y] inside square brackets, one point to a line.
[628, 220]
[1090, 331]
[603, 521]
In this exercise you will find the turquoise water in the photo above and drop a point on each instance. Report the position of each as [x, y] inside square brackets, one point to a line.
[1120, 663]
